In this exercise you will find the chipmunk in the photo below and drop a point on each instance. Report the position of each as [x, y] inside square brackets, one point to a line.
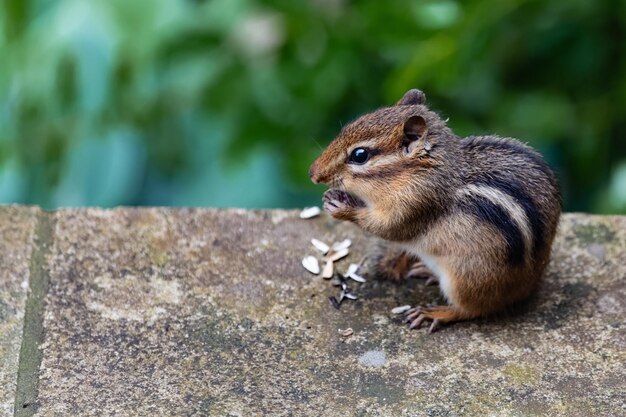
[480, 212]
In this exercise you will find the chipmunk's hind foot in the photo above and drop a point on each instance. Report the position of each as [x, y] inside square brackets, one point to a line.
[437, 315]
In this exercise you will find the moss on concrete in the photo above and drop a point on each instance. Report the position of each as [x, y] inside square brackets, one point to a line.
[30, 351]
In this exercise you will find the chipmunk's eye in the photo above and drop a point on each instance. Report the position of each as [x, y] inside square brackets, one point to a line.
[359, 156]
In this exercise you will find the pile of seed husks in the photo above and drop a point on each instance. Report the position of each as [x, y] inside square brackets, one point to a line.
[329, 255]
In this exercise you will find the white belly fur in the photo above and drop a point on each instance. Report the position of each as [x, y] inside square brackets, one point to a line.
[434, 264]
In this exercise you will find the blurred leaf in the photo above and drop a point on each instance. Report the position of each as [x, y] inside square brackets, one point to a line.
[16, 17]
[102, 172]
[227, 102]
[437, 14]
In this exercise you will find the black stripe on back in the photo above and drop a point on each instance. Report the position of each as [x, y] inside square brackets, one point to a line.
[512, 188]
[493, 214]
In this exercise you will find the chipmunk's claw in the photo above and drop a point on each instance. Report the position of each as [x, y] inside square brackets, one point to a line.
[435, 325]
[418, 270]
[438, 315]
[417, 323]
[433, 280]
[411, 314]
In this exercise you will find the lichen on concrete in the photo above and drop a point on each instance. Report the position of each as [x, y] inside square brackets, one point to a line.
[209, 312]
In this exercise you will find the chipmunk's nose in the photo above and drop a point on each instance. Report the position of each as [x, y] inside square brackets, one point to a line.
[317, 175]
[313, 174]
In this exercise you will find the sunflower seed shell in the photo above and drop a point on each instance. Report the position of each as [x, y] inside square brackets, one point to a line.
[310, 264]
[401, 309]
[321, 246]
[345, 244]
[336, 255]
[327, 272]
[310, 212]
[356, 277]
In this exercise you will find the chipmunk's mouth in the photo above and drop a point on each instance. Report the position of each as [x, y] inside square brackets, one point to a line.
[335, 199]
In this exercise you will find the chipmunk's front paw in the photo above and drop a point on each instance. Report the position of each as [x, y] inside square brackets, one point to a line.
[397, 265]
[341, 205]
[394, 265]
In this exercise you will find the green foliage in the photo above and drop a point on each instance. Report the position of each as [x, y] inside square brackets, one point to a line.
[226, 102]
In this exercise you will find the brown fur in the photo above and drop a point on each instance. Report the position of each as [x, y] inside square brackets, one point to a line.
[481, 211]
[394, 265]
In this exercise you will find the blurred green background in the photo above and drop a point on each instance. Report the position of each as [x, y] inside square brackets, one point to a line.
[227, 102]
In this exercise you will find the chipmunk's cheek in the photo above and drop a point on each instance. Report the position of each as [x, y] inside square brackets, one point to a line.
[365, 194]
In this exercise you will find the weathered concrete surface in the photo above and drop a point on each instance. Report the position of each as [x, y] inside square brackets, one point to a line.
[207, 312]
[17, 238]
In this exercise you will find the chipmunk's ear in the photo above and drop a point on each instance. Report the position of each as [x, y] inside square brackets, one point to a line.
[414, 129]
[412, 97]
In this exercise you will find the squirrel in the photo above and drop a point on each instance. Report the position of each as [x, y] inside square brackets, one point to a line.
[479, 213]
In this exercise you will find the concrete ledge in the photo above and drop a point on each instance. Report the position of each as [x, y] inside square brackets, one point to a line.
[209, 312]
